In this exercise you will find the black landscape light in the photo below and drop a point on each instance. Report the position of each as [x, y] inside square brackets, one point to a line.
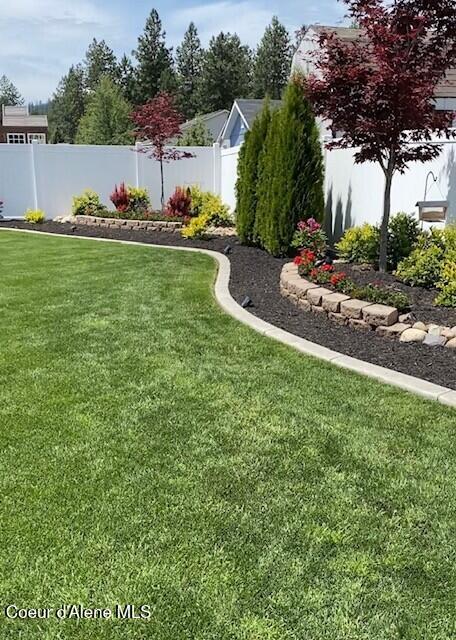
[247, 302]
[228, 249]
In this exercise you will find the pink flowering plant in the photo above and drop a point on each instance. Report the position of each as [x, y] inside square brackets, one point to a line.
[310, 235]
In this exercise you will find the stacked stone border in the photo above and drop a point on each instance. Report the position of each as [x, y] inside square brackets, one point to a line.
[131, 225]
[358, 314]
[391, 377]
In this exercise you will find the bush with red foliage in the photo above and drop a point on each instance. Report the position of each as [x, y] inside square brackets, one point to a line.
[120, 198]
[179, 204]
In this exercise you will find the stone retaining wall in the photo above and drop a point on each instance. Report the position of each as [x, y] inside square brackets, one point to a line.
[134, 225]
[361, 315]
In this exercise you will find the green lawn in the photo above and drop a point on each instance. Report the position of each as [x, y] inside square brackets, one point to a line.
[154, 451]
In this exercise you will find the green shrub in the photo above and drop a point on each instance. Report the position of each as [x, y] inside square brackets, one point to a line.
[248, 169]
[88, 204]
[360, 244]
[35, 216]
[422, 268]
[403, 234]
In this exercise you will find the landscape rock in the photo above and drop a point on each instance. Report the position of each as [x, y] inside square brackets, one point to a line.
[394, 330]
[435, 330]
[413, 335]
[317, 309]
[432, 340]
[406, 318]
[359, 325]
[304, 304]
[333, 301]
[380, 315]
[315, 295]
[353, 308]
[451, 344]
[420, 326]
[448, 333]
[338, 318]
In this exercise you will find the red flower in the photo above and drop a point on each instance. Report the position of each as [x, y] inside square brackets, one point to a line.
[327, 267]
[337, 278]
[298, 261]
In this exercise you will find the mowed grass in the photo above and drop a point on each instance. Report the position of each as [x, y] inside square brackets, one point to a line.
[154, 451]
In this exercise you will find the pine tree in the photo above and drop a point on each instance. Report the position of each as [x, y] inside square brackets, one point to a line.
[9, 94]
[272, 62]
[197, 136]
[248, 170]
[127, 78]
[294, 171]
[68, 106]
[153, 57]
[226, 73]
[107, 118]
[99, 61]
[189, 61]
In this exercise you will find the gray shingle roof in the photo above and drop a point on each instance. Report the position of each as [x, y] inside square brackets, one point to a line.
[251, 108]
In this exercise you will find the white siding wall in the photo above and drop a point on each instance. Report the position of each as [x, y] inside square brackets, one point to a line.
[229, 162]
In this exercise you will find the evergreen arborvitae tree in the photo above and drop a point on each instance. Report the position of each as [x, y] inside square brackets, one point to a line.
[107, 118]
[189, 62]
[272, 62]
[99, 62]
[294, 169]
[248, 170]
[266, 182]
[226, 73]
[9, 94]
[127, 78]
[67, 107]
[197, 136]
[154, 59]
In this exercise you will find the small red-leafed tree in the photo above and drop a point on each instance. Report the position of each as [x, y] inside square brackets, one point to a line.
[157, 123]
[378, 91]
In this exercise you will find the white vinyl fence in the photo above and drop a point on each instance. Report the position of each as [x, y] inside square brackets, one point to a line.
[48, 176]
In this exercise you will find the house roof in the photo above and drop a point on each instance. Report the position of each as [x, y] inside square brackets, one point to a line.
[204, 117]
[18, 116]
[445, 89]
[248, 110]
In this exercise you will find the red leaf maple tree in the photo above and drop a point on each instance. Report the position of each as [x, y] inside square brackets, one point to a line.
[157, 123]
[379, 89]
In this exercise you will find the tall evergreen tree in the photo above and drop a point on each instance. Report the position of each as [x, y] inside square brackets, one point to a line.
[99, 62]
[154, 59]
[68, 106]
[189, 61]
[272, 62]
[247, 183]
[197, 136]
[107, 118]
[9, 94]
[127, 78]
[292, 172]
[226, 73]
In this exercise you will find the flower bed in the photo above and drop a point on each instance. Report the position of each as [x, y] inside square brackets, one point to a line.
[359, 314]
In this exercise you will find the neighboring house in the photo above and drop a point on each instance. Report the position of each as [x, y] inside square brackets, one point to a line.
[17, 126]
[240, 120]
[214, 122]
[303, 61]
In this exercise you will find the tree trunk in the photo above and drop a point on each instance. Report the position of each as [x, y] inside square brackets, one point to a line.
[162, 186]
[383, 259]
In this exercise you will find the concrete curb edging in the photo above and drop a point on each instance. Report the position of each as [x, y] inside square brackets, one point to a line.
[391, 377]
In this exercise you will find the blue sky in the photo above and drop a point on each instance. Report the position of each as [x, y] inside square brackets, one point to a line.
[40, 39]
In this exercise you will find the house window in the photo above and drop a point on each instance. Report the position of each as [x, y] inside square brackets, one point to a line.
[16, 138]
[40, 138]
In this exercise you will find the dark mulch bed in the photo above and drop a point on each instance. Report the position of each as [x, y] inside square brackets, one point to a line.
[422, 300]
[256, 274]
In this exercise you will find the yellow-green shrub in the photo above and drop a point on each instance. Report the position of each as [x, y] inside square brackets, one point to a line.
[360, 244]
[87, 204]
[35, 216]
[208, 210]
